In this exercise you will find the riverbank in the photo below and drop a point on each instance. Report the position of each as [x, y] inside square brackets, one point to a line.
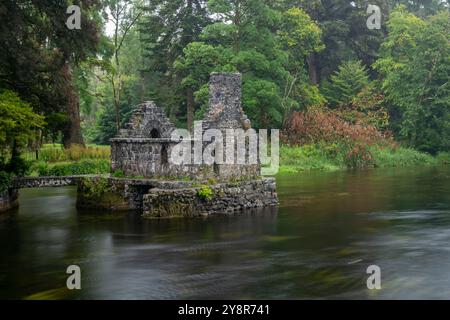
[55, 161]
[331, 158]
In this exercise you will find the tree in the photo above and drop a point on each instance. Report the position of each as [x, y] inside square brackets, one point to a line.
[39, 53]
[100, 122]
[194, 67]
[18, 124]
[415, 68]
[345, 84]
[300, 36]
[168, 27]
[246, 32]
[124, 15]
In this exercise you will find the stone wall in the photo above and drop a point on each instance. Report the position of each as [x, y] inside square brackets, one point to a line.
[40, 182]
[225, 198]
[143, 147]
[149, 158]
[117, 194]
[148, 121]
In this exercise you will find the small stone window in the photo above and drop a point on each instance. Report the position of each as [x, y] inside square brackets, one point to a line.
[155, 134]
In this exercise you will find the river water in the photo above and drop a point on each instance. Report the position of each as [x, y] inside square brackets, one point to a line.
[318, 244]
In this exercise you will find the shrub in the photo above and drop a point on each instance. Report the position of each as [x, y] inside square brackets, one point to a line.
[443, 157]
[118, 174]
[56, 153]
[359, 156]
[317, 125]
[5, 181]
[95, 188]
[75, 168]
[307, 157]
[399, 157]
[205, 192]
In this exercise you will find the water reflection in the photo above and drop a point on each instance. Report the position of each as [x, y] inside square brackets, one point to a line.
[317, 244]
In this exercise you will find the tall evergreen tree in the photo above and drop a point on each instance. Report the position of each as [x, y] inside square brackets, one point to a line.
[38, 53]
[345, 84]
[167, 28]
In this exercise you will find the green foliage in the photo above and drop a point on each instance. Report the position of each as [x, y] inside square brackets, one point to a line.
[40, 51]
[251, 43]
[56, 153]
[205, 192]
[5, 181]
[95, 188]
[18, 122]
[300, 35]
[367, 108]
[345, 84]
[305, 158]
[17, 165]
[334, 156]
[197, 62]
[118, 174]
[400, 157]
[73, 168]
[415, 65]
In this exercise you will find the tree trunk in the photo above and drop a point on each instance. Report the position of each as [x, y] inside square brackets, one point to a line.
[312, 69]
[72, 133]
[190, 104]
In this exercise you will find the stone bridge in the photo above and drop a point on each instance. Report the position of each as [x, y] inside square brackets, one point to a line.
[41, 182]
[127, 193]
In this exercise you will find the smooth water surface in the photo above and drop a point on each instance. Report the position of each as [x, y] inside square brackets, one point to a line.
[328, 229]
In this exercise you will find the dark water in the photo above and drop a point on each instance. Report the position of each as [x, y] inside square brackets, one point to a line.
[328, 229]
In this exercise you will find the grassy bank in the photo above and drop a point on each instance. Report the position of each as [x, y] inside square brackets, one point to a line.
[55, 161]
[52, 153]
[330, 158]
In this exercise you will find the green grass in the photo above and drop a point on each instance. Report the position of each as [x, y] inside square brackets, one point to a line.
[306, 158]
[56, 153]
[331, 158]
[86, 166]
[55, 161]
[401, 157]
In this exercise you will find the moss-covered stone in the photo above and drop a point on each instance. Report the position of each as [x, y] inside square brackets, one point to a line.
[100, 193]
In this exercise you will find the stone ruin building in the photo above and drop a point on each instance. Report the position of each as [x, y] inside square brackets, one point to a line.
[157, 187]
[143, 147]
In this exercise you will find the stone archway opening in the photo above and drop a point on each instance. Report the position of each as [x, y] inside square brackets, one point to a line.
[154, 134]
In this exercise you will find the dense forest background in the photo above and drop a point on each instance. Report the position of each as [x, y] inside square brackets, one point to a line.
[310, 67]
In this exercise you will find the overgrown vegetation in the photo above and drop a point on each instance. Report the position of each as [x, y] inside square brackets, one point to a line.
[205, 192]
[87, 166]
[57, 153]
[5, 181]
[95, 188]
[329, 157]
[335, 88]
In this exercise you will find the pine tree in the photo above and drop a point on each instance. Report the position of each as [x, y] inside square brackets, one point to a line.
[345, 84]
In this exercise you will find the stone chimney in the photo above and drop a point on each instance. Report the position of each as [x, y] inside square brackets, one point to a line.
[224, 109]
